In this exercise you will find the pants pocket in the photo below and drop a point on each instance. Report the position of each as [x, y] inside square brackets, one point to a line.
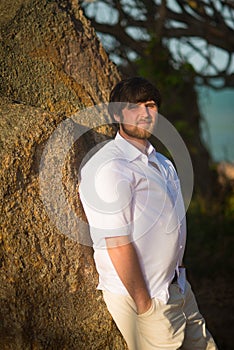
[150, 311]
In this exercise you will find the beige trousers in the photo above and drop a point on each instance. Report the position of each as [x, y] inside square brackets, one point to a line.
[176, 325]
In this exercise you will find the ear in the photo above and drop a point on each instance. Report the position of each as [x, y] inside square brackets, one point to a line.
[117, 118]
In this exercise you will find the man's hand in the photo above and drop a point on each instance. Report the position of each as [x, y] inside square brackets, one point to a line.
[141, 309]
[125, 260]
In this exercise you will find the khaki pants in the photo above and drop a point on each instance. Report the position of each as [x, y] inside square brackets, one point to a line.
[176, 325]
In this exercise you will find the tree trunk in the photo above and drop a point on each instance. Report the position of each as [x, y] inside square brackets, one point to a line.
[52, 65]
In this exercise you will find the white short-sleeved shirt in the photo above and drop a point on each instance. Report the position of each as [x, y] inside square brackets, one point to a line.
[124, 194]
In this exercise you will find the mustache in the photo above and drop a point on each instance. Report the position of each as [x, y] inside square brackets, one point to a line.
[145, 120]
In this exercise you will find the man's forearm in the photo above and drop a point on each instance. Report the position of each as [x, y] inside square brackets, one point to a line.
[125, 260]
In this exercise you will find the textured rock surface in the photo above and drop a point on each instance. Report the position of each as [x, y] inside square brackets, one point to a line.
[51, 58]
[51, 65]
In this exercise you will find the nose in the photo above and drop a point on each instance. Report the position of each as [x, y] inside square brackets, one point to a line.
[145, 111]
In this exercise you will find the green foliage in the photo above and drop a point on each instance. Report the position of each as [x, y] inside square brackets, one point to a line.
[229, 208]
[184, 128]
[210, 242]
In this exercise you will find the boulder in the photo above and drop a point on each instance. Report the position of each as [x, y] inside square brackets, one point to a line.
[52, 67]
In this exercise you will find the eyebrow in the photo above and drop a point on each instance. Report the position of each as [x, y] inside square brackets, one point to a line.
[146, 103]
[150, 103]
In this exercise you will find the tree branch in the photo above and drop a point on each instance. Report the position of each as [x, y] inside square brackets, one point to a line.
[210, 21]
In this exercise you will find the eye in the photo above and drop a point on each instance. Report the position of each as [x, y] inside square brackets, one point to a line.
[151, 105]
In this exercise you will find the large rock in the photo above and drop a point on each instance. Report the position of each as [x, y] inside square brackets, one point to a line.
[51, 57]
[52, 65]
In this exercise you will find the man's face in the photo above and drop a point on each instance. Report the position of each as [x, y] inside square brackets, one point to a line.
[138, 119]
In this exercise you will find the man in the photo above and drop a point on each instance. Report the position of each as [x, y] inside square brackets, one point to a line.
[132, 199]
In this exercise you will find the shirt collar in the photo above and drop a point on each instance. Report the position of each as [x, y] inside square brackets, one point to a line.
[131, 152]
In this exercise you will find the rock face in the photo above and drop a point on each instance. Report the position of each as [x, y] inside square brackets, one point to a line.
[52, 65]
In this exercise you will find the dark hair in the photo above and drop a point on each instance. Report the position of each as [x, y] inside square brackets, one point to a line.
[132, 90]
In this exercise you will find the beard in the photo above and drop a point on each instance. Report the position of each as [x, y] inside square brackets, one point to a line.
[136, 131]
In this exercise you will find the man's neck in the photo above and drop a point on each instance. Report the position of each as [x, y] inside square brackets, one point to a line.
[141, 144]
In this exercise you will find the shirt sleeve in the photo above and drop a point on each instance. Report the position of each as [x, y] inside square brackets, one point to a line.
[106, 196]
